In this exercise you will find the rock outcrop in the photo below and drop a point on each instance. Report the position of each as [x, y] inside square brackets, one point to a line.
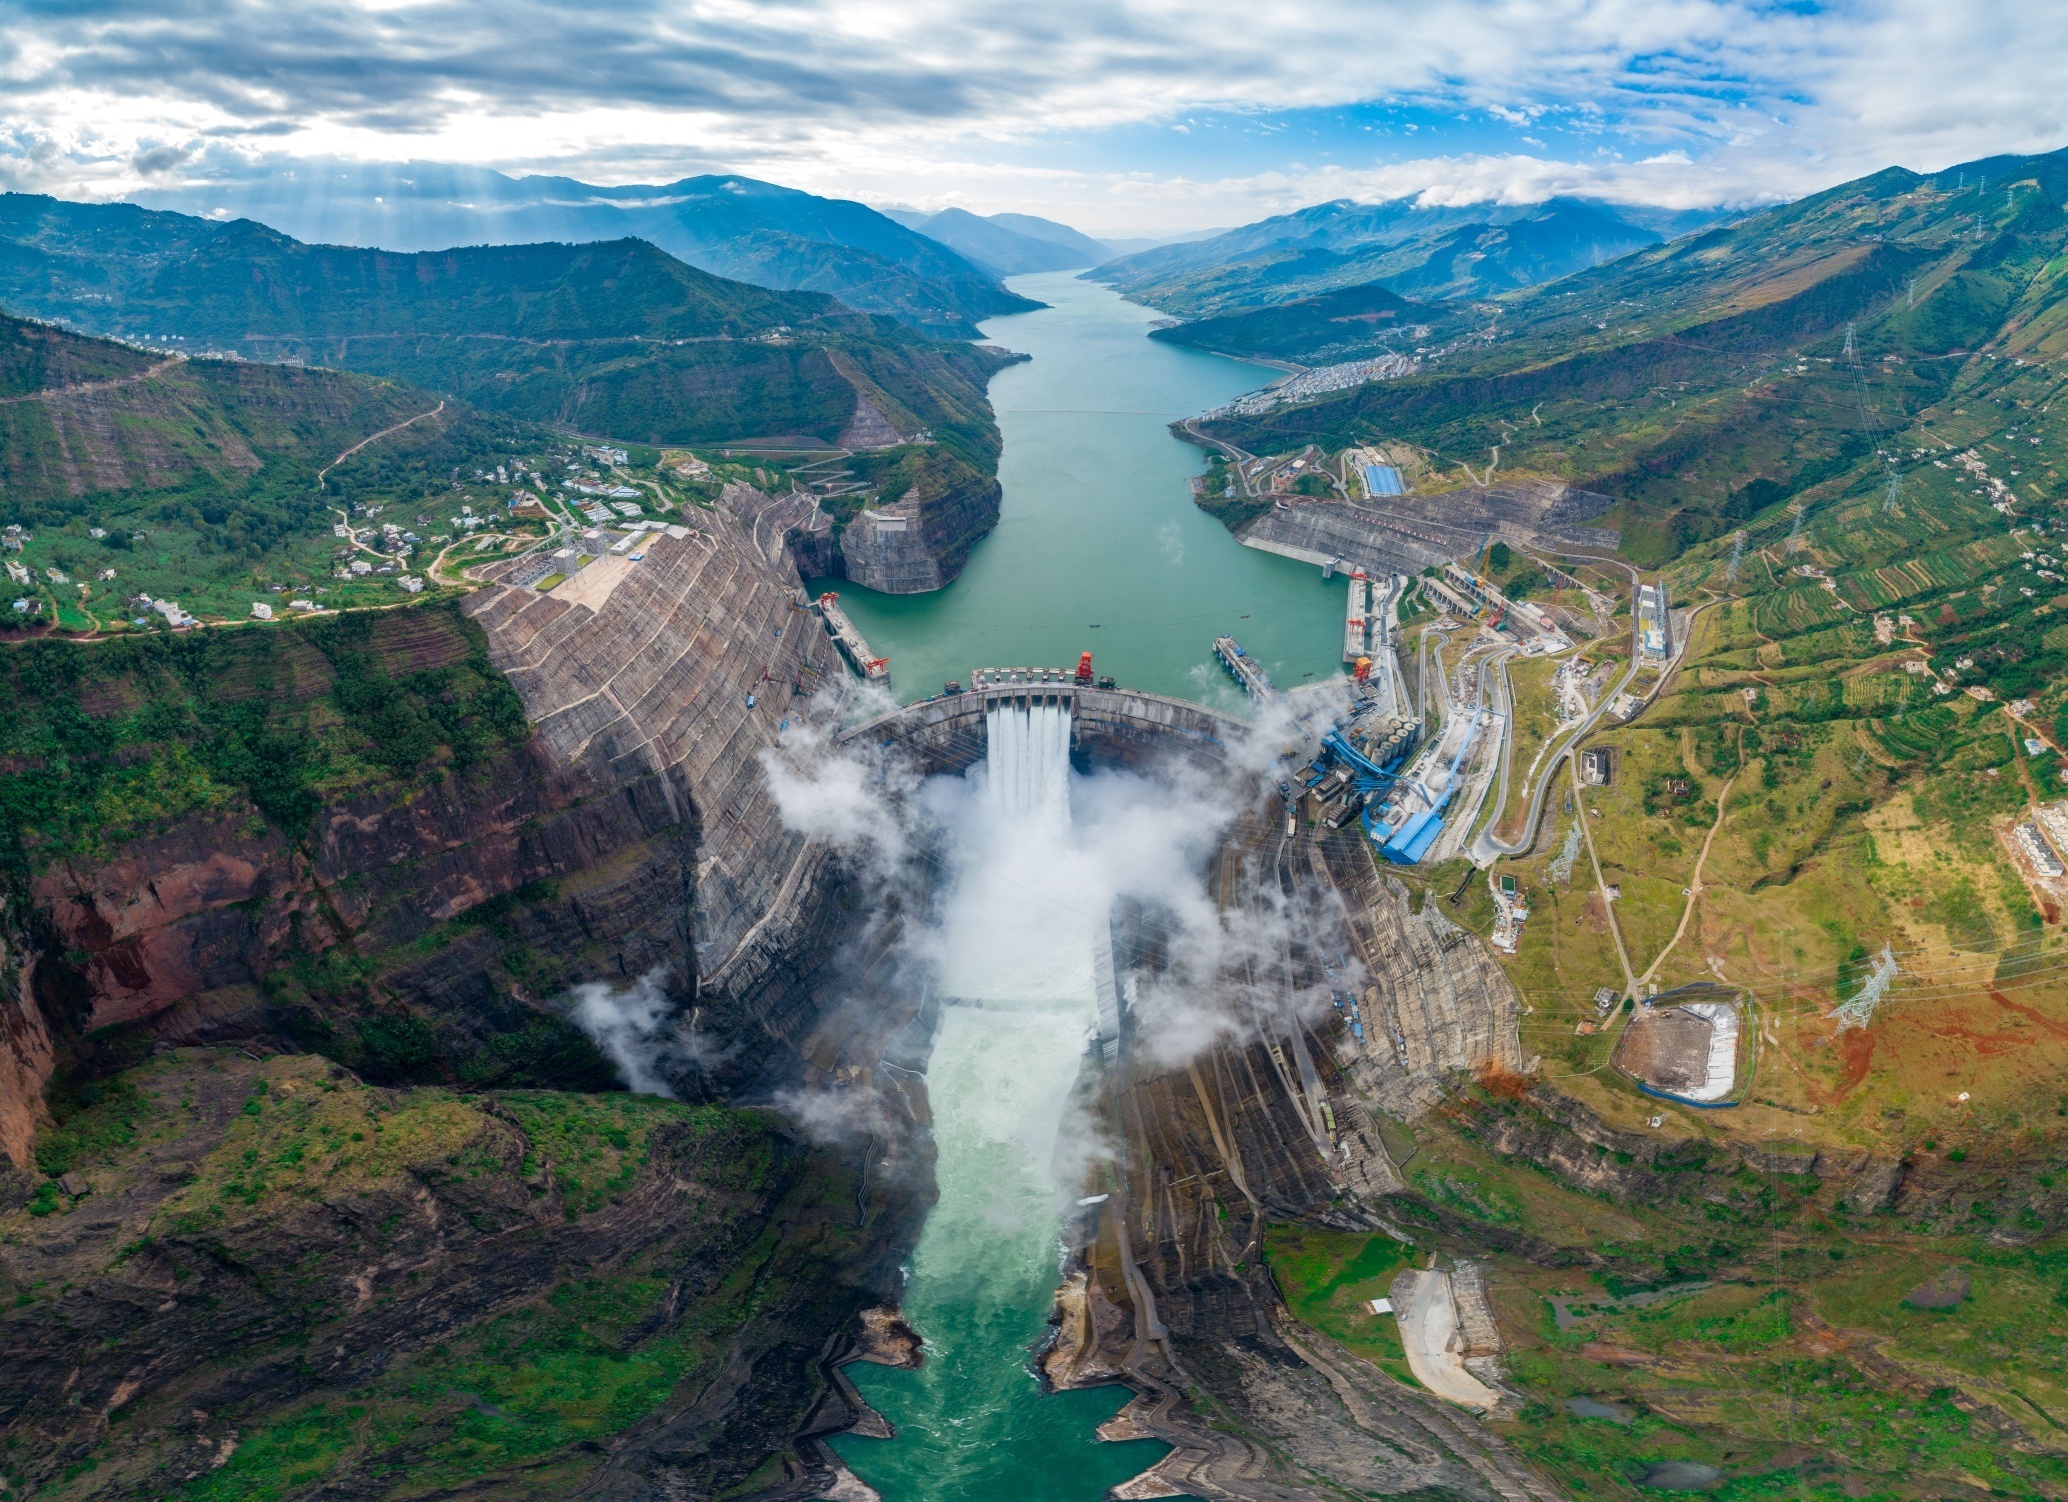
[1411, 533]
[1171, 1295]
[417, 907]
[287, 1275]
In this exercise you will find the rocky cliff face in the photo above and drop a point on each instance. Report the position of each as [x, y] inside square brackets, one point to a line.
[920, 543]
[1172, 1296]
[627, 832]
[353, 840]
[267, 1278]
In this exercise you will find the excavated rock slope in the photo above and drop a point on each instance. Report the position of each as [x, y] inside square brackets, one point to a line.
[629, 833]
[1173, 1297]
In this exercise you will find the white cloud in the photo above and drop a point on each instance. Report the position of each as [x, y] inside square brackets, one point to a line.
[993, 101]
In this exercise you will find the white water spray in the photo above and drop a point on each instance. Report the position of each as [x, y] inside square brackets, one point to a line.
[1013, 956]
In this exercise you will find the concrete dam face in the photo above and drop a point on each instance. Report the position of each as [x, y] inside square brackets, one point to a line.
[1108, 728]
[1137, 1043]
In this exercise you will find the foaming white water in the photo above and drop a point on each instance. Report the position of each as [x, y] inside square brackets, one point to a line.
[1013, 956]
[1027, 757]
[1017, 927]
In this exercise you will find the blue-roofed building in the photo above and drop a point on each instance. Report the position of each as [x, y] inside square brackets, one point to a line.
[1382, 479]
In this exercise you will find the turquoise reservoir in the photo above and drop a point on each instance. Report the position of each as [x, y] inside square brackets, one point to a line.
[1098, 546]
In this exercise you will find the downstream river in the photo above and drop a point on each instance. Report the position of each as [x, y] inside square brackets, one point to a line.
[1099, 547]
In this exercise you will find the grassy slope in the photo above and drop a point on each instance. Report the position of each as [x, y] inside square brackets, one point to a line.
[1666, 379]
[517, 1397]
[204, 475]
[1338, 325]
[1865, 810]
[1783, 1354]
[616, 338]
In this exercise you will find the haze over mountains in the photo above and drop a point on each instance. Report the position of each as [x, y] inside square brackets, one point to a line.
[939, 271]
[1472, 251]
[734, 226]
[1007, 244]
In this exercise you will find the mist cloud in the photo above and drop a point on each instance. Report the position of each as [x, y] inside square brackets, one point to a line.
[629, 1026]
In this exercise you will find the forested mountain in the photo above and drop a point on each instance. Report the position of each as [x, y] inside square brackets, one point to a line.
[617, 339]
[1007, 244]
[1434, 252]
[1703, 381]
[1339, 325]
[734, 226]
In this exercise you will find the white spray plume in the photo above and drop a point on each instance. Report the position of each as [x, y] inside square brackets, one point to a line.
[836, 1116]
[844, 796]
[629, 1026]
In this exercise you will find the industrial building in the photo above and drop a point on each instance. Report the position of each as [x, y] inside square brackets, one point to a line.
[1654, 621]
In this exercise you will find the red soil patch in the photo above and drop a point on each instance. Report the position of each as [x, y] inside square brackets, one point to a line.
[1502, 1083]
[1985, 1045]
[1855, 1054]
[2031, 1014]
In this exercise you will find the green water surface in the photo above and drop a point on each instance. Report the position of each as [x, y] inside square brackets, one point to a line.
[1098, 546]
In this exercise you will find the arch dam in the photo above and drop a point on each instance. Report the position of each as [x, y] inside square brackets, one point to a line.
[1109, 727]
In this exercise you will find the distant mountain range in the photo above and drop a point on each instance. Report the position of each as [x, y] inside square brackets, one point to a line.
[735, 227]
[1475, 251]
[1007, 244]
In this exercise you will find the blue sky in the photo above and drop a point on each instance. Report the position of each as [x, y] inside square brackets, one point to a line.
[1140, 117]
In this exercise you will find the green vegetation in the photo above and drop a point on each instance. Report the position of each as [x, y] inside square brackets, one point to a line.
[509, 1386]
[617, 337]
[1708, 383]
[106, 742]
[1459, 253]
[1349, 324]
[1744, 1321]
[1328, 1277]
[205, 491]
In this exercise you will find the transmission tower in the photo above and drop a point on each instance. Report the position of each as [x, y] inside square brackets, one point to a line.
[1895, 489]
[1849, 341]
[1730, 570]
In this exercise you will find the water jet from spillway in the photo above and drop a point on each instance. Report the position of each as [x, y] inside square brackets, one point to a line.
[1013, 956]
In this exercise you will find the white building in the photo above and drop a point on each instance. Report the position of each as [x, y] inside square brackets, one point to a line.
[2043, 859]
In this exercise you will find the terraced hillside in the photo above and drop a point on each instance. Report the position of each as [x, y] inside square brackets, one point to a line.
[1707, 382]
[617, 340]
